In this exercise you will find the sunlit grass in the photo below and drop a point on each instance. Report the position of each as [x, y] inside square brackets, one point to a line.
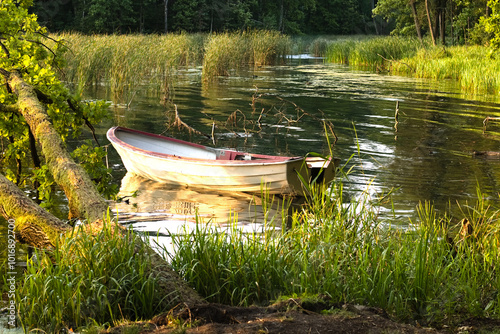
[124, 62]
[372, 52]
[473, 67]
[229, 51]
[89, 280]
[426, 272]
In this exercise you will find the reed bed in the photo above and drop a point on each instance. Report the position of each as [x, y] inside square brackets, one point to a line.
[332, 247]
[229, 51]
[475, 68]
[372, 52]
[125, 62]
[88, 280]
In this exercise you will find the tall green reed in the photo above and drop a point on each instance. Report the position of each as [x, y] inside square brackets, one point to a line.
[473, 67]
[374, 52]
[125, 62]
[339, 248]
[230, 51]
[89, 279]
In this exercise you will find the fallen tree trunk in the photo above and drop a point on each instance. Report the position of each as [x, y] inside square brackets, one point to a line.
[83, 198]
[37, 227]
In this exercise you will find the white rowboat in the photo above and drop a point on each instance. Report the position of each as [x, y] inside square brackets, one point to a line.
[175, 161]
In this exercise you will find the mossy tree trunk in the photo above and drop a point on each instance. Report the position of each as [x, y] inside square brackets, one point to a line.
[37, 227]
[83, 198]
[34, 225]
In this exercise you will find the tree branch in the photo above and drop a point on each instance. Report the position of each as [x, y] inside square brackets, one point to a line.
[8, 108]
[34, 225]
[75, 108]
[4, 48]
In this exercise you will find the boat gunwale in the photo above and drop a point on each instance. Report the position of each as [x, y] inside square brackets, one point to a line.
[262, 159]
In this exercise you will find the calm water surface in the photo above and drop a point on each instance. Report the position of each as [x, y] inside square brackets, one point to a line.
[427, 158]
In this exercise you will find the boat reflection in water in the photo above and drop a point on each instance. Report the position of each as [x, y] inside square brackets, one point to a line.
[162, 209]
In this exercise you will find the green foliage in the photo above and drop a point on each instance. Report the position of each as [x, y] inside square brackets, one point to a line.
[89, 279]
[468, 22]
[492, 23]
[42, 176]
[147, 16]
[340, 17]
[92, 160]
[26, 48]
[399, 12]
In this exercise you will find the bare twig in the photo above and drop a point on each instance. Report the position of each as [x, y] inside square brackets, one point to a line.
[75, 108]
[396, 116]
[181, 124]
[396, 61]
[486, 120]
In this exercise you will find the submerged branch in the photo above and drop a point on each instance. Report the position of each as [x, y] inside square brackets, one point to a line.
[179, 123]
[486, 120]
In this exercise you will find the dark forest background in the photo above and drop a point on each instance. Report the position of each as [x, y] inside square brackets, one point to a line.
[459, 19]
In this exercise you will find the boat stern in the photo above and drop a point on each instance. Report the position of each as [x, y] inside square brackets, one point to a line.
[313, 170]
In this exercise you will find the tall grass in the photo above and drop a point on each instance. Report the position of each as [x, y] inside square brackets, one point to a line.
[228, 51]
[127, 61]
[473, 67]
[340, 249]
[371, 52]
[89, 279]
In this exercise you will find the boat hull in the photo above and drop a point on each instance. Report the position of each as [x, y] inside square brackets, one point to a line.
[139, 152]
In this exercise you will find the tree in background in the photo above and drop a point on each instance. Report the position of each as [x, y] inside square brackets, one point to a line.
[492, 23]
[459, 19]
[467, 24]
[146, 16]
[400, 13]
[101, 16]
[341, 17]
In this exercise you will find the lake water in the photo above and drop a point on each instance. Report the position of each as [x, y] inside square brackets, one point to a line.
[428, 158]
